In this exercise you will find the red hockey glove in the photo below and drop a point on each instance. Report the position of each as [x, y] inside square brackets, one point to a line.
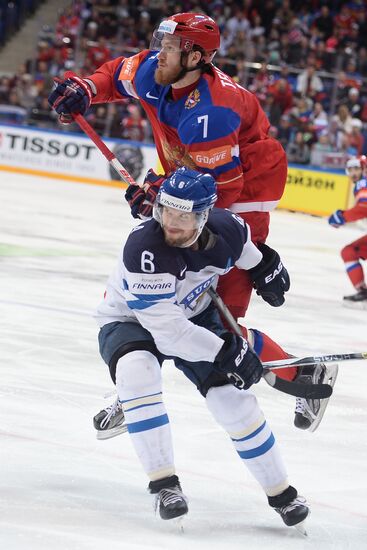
[141, 199]
[71, 96]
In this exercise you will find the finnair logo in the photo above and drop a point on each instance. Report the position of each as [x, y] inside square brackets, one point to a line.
[151, 286]
[174, 202]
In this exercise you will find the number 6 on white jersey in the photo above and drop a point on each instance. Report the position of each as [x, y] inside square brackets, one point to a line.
[147, 265]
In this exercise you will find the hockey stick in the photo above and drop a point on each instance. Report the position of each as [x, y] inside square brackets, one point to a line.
[106, 152]
[297, 389]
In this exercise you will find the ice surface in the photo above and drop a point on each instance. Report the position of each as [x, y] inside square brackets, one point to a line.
[61, 489]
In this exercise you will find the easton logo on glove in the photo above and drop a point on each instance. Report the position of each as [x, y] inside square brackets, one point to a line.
[270, 277]
[242, 354]
[276, 272]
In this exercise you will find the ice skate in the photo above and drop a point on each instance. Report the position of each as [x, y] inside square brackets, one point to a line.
[292, 508]
[169, 498]
[309, 412]
[357, 300]
[110, 422]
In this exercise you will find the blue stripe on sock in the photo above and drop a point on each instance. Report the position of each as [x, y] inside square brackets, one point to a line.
[353, 266]
[149, 424]
[252, 434]
[258, 451]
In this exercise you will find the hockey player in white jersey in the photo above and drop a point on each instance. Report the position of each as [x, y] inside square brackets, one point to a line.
[156, 307]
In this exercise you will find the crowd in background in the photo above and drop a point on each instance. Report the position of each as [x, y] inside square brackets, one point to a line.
[305, 60]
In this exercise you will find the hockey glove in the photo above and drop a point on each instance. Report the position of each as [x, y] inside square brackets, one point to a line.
[141, 199]
[337, 219]
[235, 359]
[71, 96]
[270, 277]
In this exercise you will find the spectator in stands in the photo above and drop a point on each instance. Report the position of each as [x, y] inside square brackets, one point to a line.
[309, 83]
[298, 151]
[227, 64]
[98, 53]
[282, 94]
[354, 139]
[362, 60]
[42, 77]
[284, 131]
[97, 117]
[57, 65]
[133, 125]
[272, 110]
[301, 112]
[5, 86]
[324, 23]
[284, 16]
[238, 22]
[40, 115]
[336, 134]
[296, 42]
[343, 119]
[261, 83]
[225, 42]
[321, 58]
[364, 111]
[344, 20]
[68, 24]
[257, 28]
[320, 148]
[27, 91]
[353, 103]
[318, 118]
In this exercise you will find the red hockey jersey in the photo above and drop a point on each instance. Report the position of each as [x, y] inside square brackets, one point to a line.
[217, 128]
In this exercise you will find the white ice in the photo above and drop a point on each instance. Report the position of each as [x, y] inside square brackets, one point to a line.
[61, 489]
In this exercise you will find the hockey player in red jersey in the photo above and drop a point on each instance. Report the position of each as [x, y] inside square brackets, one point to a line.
[354, 252]
[201, 118]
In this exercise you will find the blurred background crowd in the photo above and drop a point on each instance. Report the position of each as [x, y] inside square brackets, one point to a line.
[305, 60]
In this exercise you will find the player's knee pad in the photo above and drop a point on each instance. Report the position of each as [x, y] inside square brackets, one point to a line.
[232, 408]
[138, 373]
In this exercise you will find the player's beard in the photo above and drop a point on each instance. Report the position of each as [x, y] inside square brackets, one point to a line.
[179, 241]
[165, 76]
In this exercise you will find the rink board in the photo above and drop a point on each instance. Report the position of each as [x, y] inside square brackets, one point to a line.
[64, 155]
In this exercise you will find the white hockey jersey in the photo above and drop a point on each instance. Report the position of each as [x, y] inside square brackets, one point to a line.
[163, 287]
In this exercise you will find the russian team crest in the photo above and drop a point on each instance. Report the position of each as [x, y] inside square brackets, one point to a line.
[193, 99]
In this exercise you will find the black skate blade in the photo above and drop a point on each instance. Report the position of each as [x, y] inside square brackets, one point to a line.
[112, 432]
[362, 305]
[300, 527]
[180, 523]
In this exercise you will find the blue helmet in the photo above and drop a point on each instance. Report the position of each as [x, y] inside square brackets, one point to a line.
[188, 190]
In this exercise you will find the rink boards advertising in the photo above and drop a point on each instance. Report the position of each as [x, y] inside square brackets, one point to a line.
[64, 155]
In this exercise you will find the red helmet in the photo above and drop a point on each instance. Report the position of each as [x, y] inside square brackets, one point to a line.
[192, 29]
[356, 162]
